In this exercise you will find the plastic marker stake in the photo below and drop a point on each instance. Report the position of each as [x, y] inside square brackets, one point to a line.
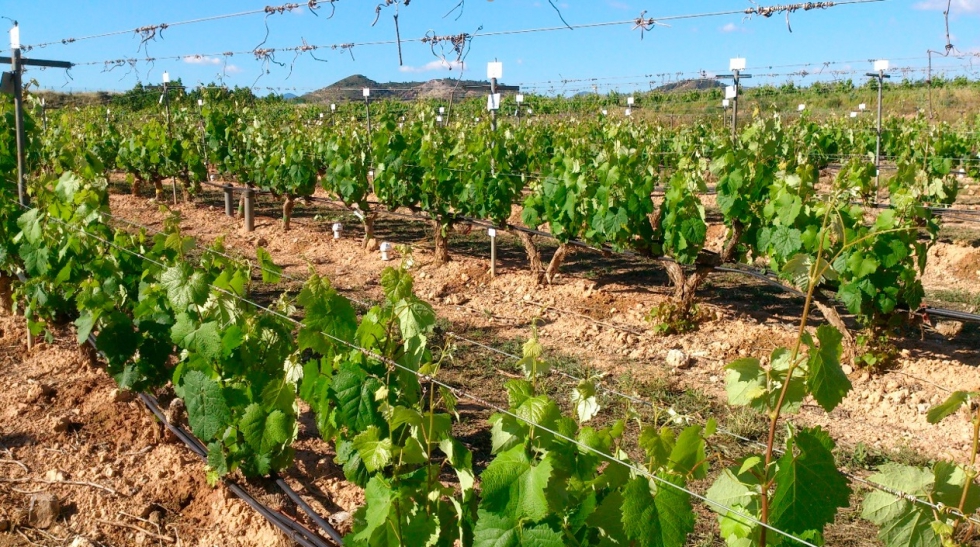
[629, 101]
[15, 37]
[385, 249]
[801, 108]
[854, 114]
[730, 92]
[333, 108]
[166, 77]
[442, 110]
[881, 65]
[724, 103]
[366, 92]
[495, 70]
[737, 63]
[200, 102]
[862, 106]
[520, 98]
[337, 228]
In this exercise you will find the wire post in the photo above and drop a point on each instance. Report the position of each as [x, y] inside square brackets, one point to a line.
[17, 64]
[229, 200]
[736, 65]
[170, 127]
[520, 101]
[44, 116]
[495, 70]
[880, 66]
[249, 210]
[367, 107]
[492, 232]
[16, 68]
[204, 137]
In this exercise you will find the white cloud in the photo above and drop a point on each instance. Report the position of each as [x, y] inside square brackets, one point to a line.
[619, 5]
[232, 69]
[440, 64]
[202, 60]
[958, 6]
[732, 27]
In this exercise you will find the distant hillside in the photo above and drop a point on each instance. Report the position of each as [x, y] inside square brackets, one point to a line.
[349, 89]
[700, 84]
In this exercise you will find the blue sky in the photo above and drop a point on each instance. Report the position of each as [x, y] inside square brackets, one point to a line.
[616, 56]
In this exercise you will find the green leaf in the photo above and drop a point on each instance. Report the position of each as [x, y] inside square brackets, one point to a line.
[584, 401]
[271, 273]
[541, 536]
[945, 409]
[809, 488]
[415, 317]
[184, 287]
[207, 412]
[745, 383]
[378, 498]
[513, 484]
[493, 530]
[825, 378]
[355, 392]
[264, 432]
[688, 455]
[785, 241]
[374, 451]
[662, 520]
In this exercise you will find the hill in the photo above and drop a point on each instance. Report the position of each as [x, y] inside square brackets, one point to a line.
[698, 84]
[349, 89]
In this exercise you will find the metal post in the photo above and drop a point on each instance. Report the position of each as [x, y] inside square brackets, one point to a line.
[170, 131]
[19, 125]
[881, 81]
[367, 108]
[493, 112]
[44, 116]
[735, 109]
[229, 200]
[249, 210]
[493, 252]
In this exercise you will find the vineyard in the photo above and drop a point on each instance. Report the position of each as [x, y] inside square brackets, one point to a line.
[387, 324]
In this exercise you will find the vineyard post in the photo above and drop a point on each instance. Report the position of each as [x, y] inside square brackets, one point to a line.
[249, 209]
[493, 251]
[333, 114]
[366, 92]
[204, 134]
[44, 116]
[880, 66]
[736, 65]
[17, 64]
[229, 200]
[495, 69]
[170, 127]
[520, 101]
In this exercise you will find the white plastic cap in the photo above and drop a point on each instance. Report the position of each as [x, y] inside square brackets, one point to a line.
[520, 97]
[881, 65]
[442, 110]
[801, 108]
[366, 92]
[730, 92]
[15, 37]
[337, 226]
[862, 106]
[439, 119]
[629, 112]
[724, 103]
[166, 77]
[495, 70]
[738, 63]
[385, 246]
[200, 102]
[629, 101]
[605, 112]
[854, 114]
[333, 108]
[492, 232]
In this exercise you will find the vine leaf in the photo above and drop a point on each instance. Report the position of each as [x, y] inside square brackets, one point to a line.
[826, 379]
[184, 287]
[946, 409]
[901, 523]
[584, 401]
[513, 485]
[493, 530]
[665, 519]
[809, 487]
[207, 411]
[271, 273]
[375, 452]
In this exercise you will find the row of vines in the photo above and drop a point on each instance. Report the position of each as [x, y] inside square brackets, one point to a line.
[166, 312]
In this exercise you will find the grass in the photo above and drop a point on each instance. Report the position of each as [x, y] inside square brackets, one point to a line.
[967, 300]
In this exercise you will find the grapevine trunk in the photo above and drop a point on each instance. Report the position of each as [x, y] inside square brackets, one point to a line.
[533, 255]
[556, 261]
[287, 210]
[442, 244]
[368, 223]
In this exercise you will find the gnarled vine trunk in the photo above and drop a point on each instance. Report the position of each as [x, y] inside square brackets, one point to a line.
[686, 284]
[158, 185]
[830, 313]
[135, 187]
[287, 210]
[442, 244]
[563, 250]
[533, 255]
[368, 223]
